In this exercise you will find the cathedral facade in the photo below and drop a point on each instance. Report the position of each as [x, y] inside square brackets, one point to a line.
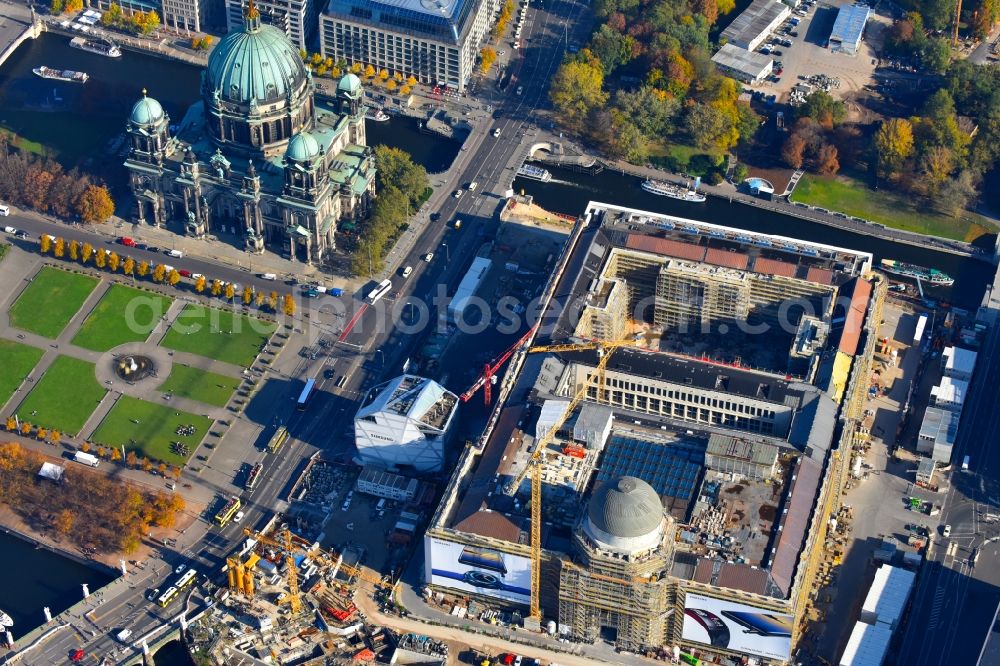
[258, 155]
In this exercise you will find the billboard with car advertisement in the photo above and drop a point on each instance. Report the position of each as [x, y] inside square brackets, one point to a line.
[732, 626]
[477, 570]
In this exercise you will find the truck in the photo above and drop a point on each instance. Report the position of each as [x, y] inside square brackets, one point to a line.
[86, 459]
[176, 253]
[123, 635]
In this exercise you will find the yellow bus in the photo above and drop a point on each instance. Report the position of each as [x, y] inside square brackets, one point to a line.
[168, 596]
[279, 437]
[228, 511]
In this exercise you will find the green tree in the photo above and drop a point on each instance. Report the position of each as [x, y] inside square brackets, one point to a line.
[56, 7]
[576, 89]
[822, 107]
[612, 48]
[709, 127]
[397, 169]
[893, 144]
[95, 204]
[652, 111]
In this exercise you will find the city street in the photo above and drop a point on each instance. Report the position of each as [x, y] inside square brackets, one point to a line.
[957, 589]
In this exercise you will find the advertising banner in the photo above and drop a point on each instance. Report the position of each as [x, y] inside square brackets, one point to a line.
[478, 570]
[733, 626]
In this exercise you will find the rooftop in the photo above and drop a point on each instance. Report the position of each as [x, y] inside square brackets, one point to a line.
[444, 20]
[415, 397]
[850, 24]
[754, 20]
[737, 58]
[939, 426]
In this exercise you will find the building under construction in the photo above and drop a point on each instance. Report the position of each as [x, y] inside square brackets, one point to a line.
[680, 473]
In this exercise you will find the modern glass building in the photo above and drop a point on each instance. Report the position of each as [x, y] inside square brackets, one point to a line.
[436, 41]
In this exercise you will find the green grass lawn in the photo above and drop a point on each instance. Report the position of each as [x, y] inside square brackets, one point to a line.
[208, 387]
[148, 429]
[18, 360]
[218, 334]
[50, 301]
[123, 315]
[850, 196]
[64, 397]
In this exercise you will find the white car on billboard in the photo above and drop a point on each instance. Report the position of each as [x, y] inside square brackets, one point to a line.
[482, 571]
[738, 627]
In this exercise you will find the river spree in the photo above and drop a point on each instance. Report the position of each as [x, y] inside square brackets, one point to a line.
[568, 192]
[35, 578]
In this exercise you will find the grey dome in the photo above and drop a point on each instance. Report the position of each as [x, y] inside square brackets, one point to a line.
[350, 84]
[146, 111]
[627, 508]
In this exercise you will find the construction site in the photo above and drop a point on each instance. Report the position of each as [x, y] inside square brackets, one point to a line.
[645, 483]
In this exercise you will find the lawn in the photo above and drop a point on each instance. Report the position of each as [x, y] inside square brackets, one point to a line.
[123, 315]
[208, 387]
[64, 397]
[50, 301]
[18, 360]
[897, 211]
[149, 428]
[218, 334]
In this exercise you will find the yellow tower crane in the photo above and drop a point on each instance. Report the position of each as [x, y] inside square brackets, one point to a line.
[291, 574]
[605, 349]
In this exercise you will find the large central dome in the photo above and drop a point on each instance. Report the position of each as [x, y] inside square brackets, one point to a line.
[258, 63]
[625, 515]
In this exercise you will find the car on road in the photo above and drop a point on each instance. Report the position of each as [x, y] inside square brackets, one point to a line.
[10, 230]
[126, 241]
[180, 568]
[458, 224]
[407, 271]
[520, 90]
[238, 517]
[473, 185]
[152, 248]
[22, 234]
[946, 531]
[329, 373]
[457, 194]
[183, 272]
[496, 132]
[77, 655]
[428, 256]
[4, 210]
[155, 592]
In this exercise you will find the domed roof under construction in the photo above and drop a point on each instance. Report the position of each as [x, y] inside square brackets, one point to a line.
[626, 508]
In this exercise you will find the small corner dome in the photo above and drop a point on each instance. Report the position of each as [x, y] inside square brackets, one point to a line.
[146, 111]
[302, 148]
[626, 508]
[349, 83]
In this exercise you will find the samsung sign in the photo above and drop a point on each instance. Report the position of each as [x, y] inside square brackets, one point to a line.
[731, 626]
[476, 570]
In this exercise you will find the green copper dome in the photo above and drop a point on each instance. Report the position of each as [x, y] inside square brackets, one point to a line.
[257, 62]
[146, 111]
[302, 148]
[350, 84]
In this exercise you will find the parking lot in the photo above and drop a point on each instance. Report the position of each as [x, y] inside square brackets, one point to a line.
[808, 55]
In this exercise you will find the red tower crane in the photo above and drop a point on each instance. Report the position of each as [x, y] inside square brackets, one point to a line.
[486, 380]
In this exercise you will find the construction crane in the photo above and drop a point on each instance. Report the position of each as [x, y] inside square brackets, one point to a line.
[488, 377]
[604, 349]
[958, 19]
[292, 575]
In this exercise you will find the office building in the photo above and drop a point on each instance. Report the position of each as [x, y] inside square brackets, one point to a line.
[404, 423]
[296, 18]
[436, 42]
[743, 65]
[186, 15]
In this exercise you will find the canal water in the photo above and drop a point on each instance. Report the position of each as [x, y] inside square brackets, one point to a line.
[36, 578]
[173, 654]
[568, 192]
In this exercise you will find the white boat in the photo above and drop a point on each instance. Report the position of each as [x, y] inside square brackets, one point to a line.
[665, 189]
[375, 113]
[104, 47]
[60, 74]
[534, 173]
[5, 620]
